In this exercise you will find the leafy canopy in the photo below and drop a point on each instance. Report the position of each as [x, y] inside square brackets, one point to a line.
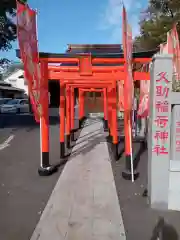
[7, 25]
[156, 21]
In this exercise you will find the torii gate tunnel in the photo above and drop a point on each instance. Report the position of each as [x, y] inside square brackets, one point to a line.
[86, 76]
[85, 72]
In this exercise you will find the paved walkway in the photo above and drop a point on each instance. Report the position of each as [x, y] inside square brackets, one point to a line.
[84, 203]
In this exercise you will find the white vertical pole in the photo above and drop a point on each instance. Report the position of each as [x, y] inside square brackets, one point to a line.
[132, 165]
[41, 160]
[40, 125]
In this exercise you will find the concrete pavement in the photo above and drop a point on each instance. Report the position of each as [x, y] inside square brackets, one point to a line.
[84, 202]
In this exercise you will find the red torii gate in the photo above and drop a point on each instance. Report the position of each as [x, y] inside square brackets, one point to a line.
[86, 77]
[84, 74]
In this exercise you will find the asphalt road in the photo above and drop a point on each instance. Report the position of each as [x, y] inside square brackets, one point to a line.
[24, 194]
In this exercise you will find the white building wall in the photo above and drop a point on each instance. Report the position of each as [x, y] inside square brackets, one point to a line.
[16, 80]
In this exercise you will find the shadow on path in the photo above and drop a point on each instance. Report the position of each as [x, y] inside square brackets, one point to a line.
[164, 231]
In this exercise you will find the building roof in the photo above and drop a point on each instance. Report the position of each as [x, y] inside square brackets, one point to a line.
[10, 88]
[12, 68]
[2, 83]
[94, 48]
[7, 86]
[97, 51]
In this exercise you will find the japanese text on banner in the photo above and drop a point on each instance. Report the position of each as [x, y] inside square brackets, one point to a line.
[26, 29]
[128, 49]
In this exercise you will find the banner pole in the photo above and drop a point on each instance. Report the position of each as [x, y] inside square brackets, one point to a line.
[129, 173]
[132, 165]
[37, 78]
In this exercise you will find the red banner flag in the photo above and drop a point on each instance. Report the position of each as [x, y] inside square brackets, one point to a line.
[174, 49]
[143, 110]
[128, 89]
[27, 38]
[163, 48]
[128, 48]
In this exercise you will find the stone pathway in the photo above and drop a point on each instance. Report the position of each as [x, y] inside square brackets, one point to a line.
[84, 203]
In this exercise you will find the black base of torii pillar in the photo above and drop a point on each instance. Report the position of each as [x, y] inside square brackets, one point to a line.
[127, 174]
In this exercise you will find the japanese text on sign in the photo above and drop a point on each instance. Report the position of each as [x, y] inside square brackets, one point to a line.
[161, 135]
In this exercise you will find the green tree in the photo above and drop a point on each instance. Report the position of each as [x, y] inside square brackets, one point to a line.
[7, 25]
[157, 20]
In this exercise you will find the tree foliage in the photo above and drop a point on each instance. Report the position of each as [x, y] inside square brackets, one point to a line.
[7, 25]
[156, 21]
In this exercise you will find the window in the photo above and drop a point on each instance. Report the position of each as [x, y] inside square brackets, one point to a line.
[3, 101]
[24, 101]
[13, 101]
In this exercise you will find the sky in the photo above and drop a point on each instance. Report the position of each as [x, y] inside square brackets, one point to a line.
[62, 22]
